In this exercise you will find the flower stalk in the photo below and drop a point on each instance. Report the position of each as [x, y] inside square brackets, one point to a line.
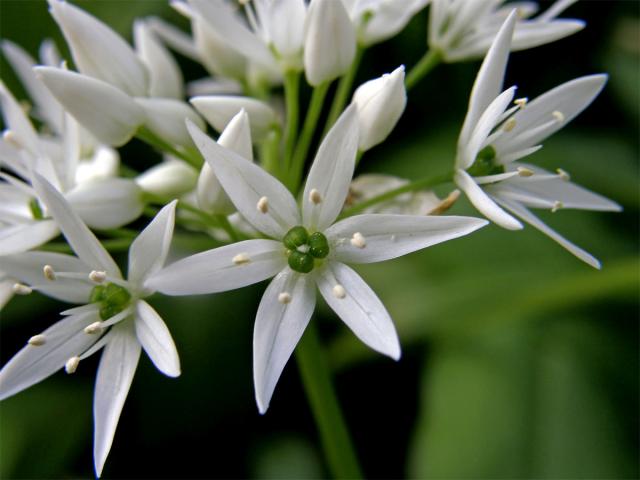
[430, 60]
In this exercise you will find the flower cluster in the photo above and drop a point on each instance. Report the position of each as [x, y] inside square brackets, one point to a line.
[61, 173]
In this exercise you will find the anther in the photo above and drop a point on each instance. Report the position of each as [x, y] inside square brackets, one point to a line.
[95, 327]
[241, 259]
[284, 297]
[558, 115]
[339, 291]
[12, 139]
[358, 240]
[563, 175]
[521, 102]
[525, 172]
[37, 340]
[509, 125]
[315, 197]
[21, 289]
[263, 205]
[72, 365]
[49, 272]
[557, 205]
[97, 276]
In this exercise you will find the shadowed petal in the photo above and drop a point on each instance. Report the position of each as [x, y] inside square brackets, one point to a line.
[156, 340]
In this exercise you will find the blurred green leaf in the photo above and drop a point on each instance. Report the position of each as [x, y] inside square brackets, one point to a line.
[286, 457]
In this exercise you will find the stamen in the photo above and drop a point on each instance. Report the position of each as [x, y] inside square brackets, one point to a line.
[557, 205]
[49, 272]
[263, 205]
[72, 365]
[95, 327]
[509, 125]
[37, 340]
[442, 207]
[525, 172]
[521, 102]
[241, 259]
[558, 115]
[21, 289]
[97, 276]
[563, 175]
[12, 139]
[315, 197]
[339, 291]
[284, 297]
[358, 240]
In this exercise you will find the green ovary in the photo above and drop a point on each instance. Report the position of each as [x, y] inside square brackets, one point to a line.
[303, 250]
[485, 164]
[112, 299]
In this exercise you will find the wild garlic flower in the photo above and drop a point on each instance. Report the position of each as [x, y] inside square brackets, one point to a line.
[495, 135]
[305, 249]
[465, 29]
[114, 315]
[118, 90]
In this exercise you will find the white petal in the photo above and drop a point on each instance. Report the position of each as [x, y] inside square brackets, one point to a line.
[488, 84]
[535, 222]
[532, 33]
[47, 107]
[569, 99]
[105, 111]
[115, 373]
[169, 179]
[108, 203]
[360, 308]
[165, 78]
[236, 135]
[149, 250]
[166, 118]
[330, 41]
[6, 291]
[32, 364]
[218, 110]
[391, 236]
[98, 51]
[82, 241]
[22, 237]
[278, 328]
[388, 18]
[331, 172]
[282, 23]
[16, 120]
[156, 340]
[221, 269]
[246, 184]
[483, 203]
[174, 37]
[28, 268]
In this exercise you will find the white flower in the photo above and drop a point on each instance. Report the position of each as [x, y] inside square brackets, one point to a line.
[170, 179]
[378, 20]
[114, 316]
[306, 249]
[380, 104]
[329, 43]
[463, 29]
[495, 135]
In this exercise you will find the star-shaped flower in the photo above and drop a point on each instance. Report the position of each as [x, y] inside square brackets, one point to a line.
[494, 136]
[306, 250]
[114, 315]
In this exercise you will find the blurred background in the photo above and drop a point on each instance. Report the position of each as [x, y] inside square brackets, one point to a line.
[519, 361]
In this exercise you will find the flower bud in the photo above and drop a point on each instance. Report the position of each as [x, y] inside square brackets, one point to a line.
[170, 179]
[380, 104]
[218, 110]
[330, 41]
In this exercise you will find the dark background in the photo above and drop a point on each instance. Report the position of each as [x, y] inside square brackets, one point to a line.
[519, 361]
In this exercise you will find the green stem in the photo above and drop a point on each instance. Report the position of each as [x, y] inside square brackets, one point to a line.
[292, 101]
[428, 61]
[343, 91]
[334, 435]
[269, 152]
[409, 187]
[308, 129]
[224, 223]
[155, 141]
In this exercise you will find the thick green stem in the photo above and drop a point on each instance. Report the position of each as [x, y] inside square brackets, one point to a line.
[292, 100]
[429, 60]
[191, 157]
[308, 129]
[270, 153]
[343, 91]
[334, 435]
[224, 223]
[391, 194]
